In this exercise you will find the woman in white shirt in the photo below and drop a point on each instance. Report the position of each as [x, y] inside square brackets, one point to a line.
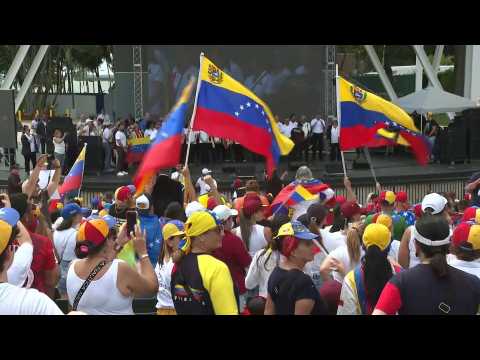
[465, 248]
[255, 236]
[151, 132]
[172, 232]
[114, 283]
[65, 239]
[265, 260]
[59, 146]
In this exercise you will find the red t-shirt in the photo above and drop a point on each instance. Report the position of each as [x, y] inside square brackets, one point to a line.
[234, 253]
[43, 260]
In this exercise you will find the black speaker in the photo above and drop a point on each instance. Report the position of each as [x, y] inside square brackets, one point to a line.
[360, 165]
[334, 168]
[8, 122]
[94, 155]
[245, 170]
[472, 124]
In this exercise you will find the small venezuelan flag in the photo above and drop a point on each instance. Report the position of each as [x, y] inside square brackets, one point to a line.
[137, 147]
[73, 181]
[367, 120]
[298, 195]
[229, 110]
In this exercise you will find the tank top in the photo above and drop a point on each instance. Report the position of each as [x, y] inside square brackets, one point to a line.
[102, 296]
[257, 238]
[414, 259]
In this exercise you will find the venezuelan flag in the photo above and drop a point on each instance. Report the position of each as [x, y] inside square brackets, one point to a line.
[166, 148]
[296, 192]
[228, 110]
[73, 181]
[137, 147]
[367, 120]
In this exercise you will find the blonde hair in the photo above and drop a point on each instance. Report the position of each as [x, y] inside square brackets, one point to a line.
[354, 242]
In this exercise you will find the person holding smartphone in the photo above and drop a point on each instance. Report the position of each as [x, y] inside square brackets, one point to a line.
[115, 282]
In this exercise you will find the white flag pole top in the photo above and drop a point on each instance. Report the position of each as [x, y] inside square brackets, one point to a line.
[187, 137]
[339, 117]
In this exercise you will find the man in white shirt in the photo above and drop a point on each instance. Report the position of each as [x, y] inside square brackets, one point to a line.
[204, 187]
[334, 142]
[307, 130]
[121, 147]
[107, 147]
[318, 129]
[205, 147]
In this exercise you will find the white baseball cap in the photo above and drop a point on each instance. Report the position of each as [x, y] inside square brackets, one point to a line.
[205, 171]
[223, 212]
[142, 203]
[193, 207]
[435, 201]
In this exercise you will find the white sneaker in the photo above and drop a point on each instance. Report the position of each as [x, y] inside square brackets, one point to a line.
[125, 173]
[121, 173]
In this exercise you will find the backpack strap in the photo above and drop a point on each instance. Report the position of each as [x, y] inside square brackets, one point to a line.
[361, 294]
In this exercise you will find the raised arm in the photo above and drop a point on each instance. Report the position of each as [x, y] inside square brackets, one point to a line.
[29, 187]
[53, 186]
[348, 187]
[189, 193]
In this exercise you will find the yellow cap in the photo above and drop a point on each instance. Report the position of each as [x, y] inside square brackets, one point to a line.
[376, 234]
[171, 229]
[5, 233]
[385, 220]
[199, 223]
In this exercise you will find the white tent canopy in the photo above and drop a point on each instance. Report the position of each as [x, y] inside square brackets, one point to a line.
[435, 101]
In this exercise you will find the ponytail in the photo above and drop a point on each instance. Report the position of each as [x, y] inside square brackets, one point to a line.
[246, 226]
[86, 248]
[377, 271]
[438, 258]
[354, 245]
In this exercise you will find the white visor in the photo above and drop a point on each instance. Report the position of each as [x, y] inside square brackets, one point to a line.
[429, 242]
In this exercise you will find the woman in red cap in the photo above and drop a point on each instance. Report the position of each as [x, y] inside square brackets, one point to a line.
[99, 284]
[465, 248]
[255, 236]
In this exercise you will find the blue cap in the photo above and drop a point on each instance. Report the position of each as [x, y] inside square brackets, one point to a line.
[297, 229]
[107, 206]
[95, 201]
[70, 210]
[86, 212]
[10, 216]
[110, 220]
[180, 225]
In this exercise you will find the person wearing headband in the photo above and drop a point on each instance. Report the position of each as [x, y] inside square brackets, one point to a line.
[114, 283]
[432, 205]
[290, 290]
[200, 283]
[14, 299]
[362, 286]
[432, 287]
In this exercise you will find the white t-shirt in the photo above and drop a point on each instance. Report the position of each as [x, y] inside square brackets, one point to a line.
[203, 138]
[65, 242]
[312, 269]
[204, 187]
[331, 241]
[121, 139]
[164, 276]
[414, 259]
[20, 270]
[106, 135]
[471, 267]
[15, 300]
[151, 133]
[260, 270]
[59, 148]
[341, 254]
[257, 238]
[335, 135]
[394, 248]
[318, 126]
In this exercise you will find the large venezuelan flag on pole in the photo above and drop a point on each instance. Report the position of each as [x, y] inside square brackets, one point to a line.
[367, 120]
[73, 181]
[165, 150]
[229, 110]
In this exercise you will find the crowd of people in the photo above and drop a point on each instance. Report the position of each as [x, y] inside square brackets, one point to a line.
[213, 254]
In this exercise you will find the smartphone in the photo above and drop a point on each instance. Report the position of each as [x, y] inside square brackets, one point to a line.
[131, 221]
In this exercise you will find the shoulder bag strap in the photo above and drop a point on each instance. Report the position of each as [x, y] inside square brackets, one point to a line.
[87, 282]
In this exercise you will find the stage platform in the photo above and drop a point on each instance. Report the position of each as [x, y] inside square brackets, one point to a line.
[392, 170]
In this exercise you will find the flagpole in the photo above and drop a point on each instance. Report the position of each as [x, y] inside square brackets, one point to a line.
[339, 118]
[83, 170]
[369, 159]
[194, 110]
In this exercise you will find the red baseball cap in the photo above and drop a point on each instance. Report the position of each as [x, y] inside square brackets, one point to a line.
[467, 236]
[122, 193]
[402, 196]
[212, 203]
[251, 204]
[417, 209]
[388, 196]
[471, 214]
[350, 208]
